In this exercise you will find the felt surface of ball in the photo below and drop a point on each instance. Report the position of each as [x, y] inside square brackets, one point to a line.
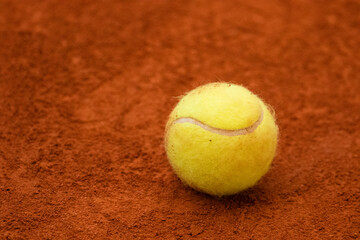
[221, 138]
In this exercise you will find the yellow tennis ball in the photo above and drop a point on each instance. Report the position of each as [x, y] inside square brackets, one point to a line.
[221, 138]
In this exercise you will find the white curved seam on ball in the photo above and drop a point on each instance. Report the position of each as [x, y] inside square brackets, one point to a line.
[220, 131]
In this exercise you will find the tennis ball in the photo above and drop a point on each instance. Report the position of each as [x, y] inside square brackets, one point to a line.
[221, 138]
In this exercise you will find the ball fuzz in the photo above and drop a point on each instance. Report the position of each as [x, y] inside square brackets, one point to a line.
[221, 138]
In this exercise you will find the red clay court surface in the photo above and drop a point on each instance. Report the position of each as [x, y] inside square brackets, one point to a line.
[86, 88]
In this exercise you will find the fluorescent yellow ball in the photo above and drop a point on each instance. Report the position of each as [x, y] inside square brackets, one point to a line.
[221, 138]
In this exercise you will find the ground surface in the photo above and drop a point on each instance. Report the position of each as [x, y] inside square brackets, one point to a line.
[86, 88]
